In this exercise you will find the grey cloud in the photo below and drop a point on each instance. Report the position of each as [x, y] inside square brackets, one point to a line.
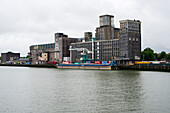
[27, 22]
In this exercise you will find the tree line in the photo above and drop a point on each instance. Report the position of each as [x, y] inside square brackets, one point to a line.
[149, 55]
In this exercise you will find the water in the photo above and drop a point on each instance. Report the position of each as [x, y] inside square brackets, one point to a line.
[43, 90]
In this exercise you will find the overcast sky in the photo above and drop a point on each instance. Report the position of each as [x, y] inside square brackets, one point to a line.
[28, 22]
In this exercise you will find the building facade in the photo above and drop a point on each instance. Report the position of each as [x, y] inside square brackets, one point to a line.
[87, 36]
[107, 31]
[106, 20]
[41, 54]
[111, 42]
[6, 57]
[58, 51]
[130, 39]
[104, 50]
[62, 44]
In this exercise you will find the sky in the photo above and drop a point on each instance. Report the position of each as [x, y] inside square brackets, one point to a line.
[28, 22]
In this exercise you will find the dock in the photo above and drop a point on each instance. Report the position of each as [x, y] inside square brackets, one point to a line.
[89, 67]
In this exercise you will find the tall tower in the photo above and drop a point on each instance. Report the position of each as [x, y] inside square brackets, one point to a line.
[130, 39]
[58, 45]
[106, 29]
[106, 20]
[87, 36]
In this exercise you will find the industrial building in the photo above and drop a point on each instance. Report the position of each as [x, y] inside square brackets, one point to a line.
[62, 44]
[88, 36]
[106, 44]
[58, 51]
[106, 31]
[112, 43]
[130, 39]
[41, 54]
[101, 50]
[9, 56]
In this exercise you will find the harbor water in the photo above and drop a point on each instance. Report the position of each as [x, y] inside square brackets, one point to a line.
[46, 90]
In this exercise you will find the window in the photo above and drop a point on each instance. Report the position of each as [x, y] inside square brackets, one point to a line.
[137, 39]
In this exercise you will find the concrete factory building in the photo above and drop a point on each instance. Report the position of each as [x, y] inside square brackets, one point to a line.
[101, 50]
[109, 44]
[58, 51]
[130, 39]
[62, 44]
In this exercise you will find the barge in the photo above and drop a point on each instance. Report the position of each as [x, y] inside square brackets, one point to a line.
[105, 66]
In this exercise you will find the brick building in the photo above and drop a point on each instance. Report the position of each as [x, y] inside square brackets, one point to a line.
[62, 43]
[6, 57]
[43, 53]
[38, 52]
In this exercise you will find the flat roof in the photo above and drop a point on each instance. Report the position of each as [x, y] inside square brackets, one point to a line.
[95, 41]
[43, 44]
[127, 20]
[106, 15]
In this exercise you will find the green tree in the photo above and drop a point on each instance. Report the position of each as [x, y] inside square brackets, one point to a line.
[27, 56]
[155, 56]
[148, 54]
[168, 57]
[162, 55]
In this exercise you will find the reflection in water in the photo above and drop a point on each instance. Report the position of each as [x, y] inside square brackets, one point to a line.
[40, 90]
[119, 91]
[130, 85]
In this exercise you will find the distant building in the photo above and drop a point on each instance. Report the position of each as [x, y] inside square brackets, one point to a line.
[41, 54]
[87, 36]
[62, 43]
[107, 31]
[6, 57]
[130, 39]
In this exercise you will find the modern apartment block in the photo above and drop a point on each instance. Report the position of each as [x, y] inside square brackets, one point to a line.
[41, 54]
[6, 57]
[62, 44]
[87, 36]
[130, 39]
[104, 50]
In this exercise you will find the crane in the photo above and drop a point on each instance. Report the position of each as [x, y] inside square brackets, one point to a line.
[83, 54]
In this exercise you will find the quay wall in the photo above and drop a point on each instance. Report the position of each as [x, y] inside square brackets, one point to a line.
[30, 65]
[165, 68]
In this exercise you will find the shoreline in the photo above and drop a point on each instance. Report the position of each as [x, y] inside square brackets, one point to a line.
[30, 65]
[136, 67]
